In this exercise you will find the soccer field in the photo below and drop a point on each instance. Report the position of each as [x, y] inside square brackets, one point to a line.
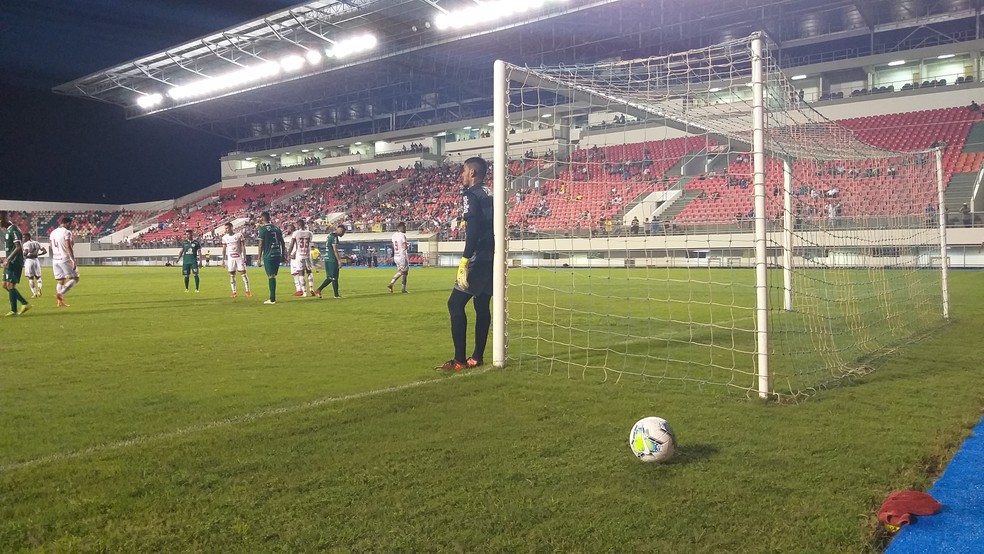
[146, 419]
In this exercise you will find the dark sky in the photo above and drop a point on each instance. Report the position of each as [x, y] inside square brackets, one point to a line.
[60, 148]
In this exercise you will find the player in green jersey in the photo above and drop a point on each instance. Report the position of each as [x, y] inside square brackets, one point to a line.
[332, 261]
[13, 264]
[191, 258]
[272, 250]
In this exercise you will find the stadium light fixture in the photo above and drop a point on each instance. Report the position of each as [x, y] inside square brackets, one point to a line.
[249, 159]
[292, 63]
[148, 101]
[546, 115]
[896, 62]
[286, 153]
[487, 11]
[313, 57]
[358, 144]
[304, 151]
[797, 77]
[352, 45]
[321, 148]
[715, 89]
[945, 56]
[225, 82]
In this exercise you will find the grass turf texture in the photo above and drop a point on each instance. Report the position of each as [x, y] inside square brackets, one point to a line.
[142, 418]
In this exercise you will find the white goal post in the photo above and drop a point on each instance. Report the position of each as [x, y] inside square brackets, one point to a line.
[839, 272]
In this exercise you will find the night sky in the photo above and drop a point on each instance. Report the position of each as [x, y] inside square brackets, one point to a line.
[59, 148]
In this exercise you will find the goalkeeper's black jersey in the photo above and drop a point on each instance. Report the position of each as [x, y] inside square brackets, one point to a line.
[477, 213]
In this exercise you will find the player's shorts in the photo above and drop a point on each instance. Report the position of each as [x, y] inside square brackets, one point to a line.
[12, 273]
[305, 264]
[331, 268]
[236, 264]
[32, 268]
[64, 270]
[271, 264]
[295, 266]
[479, 279]
[189, 268]
[402, 263]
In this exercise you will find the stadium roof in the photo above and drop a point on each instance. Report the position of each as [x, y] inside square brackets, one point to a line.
[298, 75]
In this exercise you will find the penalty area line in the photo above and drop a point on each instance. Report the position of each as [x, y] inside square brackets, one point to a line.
[227, 422]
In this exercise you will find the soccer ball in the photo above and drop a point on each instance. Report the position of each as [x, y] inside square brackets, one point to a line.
[652, 440]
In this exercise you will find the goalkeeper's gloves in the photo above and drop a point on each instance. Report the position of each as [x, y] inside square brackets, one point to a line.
[462, 278]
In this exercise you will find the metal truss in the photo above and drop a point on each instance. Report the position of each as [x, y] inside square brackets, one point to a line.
[419, 75]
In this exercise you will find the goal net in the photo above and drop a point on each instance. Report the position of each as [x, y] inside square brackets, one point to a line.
[692, 218]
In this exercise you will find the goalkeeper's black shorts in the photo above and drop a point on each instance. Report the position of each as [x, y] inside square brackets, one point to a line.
[479, 279]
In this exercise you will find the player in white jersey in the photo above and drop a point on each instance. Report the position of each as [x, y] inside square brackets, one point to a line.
[401, 256]
[32, 265]
[234, 253]
[295, 267]
[301, 264]
[63, 262]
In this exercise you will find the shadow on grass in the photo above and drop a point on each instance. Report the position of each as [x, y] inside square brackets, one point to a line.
[690, 453]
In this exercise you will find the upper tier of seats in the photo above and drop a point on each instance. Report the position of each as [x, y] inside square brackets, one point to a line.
[875, 188]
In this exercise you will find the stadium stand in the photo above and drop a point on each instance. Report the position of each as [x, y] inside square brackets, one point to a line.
[860, 187]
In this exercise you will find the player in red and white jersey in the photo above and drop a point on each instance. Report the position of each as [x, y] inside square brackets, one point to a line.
[299, 253]
[401, 256]
[63, 262]
[234, 253]
[33, 250]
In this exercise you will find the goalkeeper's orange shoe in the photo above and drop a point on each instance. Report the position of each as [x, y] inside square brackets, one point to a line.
[472, 362]
[451, 365]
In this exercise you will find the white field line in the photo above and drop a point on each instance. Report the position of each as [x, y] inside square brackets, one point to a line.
[226, 422]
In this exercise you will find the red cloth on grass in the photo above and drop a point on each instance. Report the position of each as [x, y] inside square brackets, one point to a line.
[900, 506]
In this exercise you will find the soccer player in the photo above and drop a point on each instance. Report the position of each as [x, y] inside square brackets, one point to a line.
[299, 252]
[332, 261]
[63, 262]
[32, 250]
[13, 264]
[271, 253]
[294, 264]
[474, 277]
[401, 255]
[234, 253]
[191, 258]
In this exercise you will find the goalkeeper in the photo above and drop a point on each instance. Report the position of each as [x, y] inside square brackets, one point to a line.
[474, 278]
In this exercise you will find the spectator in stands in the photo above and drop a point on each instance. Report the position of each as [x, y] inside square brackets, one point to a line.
[966, 215]
[931, 216]
[634, 226]
[974, 106]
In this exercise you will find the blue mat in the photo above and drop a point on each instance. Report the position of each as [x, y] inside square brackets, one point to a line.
[959, 527]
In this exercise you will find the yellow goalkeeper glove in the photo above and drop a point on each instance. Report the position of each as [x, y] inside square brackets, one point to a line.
[462, 278]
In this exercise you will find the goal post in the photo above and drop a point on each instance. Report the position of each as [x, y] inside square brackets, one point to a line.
[621, 187]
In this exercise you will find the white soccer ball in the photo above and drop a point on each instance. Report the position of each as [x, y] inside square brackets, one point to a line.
[652, 440]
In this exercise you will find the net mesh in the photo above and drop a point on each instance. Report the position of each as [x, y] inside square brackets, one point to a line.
[631, 210]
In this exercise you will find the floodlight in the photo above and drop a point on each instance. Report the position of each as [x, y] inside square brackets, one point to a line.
[896, 62]
[797, 77]
[352, 45]
[313, 57]
[487, 11]
[715, 89]
[148, 101]
[945, 56]
[292, 62]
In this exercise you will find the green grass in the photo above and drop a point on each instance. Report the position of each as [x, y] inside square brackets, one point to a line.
[145, 419]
